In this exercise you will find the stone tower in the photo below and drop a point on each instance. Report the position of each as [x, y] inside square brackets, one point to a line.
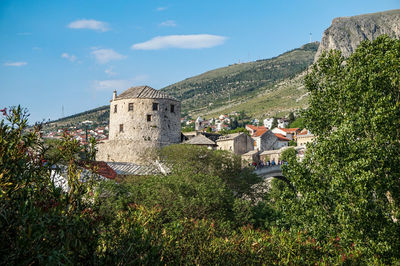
[141, 119]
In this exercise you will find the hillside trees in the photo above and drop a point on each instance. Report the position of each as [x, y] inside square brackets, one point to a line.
[348, 184]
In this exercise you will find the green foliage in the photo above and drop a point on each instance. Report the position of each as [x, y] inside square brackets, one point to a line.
[297, 123]
[288, 154]
[291, 117]
[240, 80]
[236, 130]
[188, 129]
[274, 123]
[292, 143]
[348, 181]
[218, 163]
[39, 223]
[207, 210]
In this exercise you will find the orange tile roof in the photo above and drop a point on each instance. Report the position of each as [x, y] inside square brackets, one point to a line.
[281, 137]
[259, 132]
[303, 132]
[290, 130]
[256, 127]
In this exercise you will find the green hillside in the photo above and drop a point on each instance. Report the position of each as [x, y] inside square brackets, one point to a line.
[98, 115]
[280, 99]
[238, 82]
[263, 87]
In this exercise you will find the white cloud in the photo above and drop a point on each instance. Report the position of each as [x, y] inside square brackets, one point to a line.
[118, 84]
[69, 57]
[168, 23]
[90, 24]
[194, 41]
[16, 64]
[161, 8]
[103, 56]
[110, 72]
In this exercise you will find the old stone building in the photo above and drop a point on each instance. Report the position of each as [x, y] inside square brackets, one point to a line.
[238, 143]
[141, 119]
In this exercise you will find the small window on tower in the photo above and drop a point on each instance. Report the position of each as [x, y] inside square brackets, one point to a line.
[130, 107]
[121, 127]
[148, 118]
[115, 108]
[155, 106]
[172, 108]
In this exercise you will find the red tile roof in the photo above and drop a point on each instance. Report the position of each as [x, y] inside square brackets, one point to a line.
[100, 168]
[281, 137]
[256, 127]
[259, 132]
[290, 130]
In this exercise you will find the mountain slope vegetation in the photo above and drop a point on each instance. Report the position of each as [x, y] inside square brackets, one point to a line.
[259, 87]
[239, 82]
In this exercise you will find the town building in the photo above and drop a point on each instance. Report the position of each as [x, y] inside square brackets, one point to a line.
[282, 141]
[202, 140]
[238, 143]
[198, 125]
[141, 119]
[263, 138]
[304, 137]
[289, 133]
[268, 122]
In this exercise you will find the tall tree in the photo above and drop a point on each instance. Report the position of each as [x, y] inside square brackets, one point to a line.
[348, 183]
[274, 123]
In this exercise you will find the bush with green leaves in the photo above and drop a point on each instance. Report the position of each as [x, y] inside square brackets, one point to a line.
[348, 184]
[39, 223]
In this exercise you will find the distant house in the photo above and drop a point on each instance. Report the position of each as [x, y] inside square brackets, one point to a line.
[289, 133]
[238, 143]
[268, 122]
[198, 125]
[201, 140]
[252, 129]
[262, 137]
[283, 122]
[304, 137]
[282, 141]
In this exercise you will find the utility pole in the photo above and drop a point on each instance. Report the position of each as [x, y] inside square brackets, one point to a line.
[310, 37]
[62, 111]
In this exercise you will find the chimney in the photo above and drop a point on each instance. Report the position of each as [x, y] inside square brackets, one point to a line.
[114, 95]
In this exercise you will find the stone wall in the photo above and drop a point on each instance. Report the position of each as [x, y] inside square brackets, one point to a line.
[131, 133]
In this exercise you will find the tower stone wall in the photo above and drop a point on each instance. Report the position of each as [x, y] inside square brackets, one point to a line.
[141, 119]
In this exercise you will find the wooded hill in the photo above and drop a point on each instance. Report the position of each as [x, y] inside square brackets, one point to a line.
[238, 83]
[261, 87]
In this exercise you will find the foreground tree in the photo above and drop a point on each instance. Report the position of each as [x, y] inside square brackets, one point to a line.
[348, 184]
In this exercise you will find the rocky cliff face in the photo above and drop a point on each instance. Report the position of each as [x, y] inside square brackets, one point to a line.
[346, 33]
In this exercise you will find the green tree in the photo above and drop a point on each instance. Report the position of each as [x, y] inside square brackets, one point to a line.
[348, 183]
[274, 123]
[288, 154]
[297, 123]
[291, 117]
[40, 223]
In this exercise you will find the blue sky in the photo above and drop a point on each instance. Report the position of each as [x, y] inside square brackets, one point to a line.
[75, 53]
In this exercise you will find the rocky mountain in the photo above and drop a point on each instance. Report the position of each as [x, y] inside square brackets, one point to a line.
[346, 33]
